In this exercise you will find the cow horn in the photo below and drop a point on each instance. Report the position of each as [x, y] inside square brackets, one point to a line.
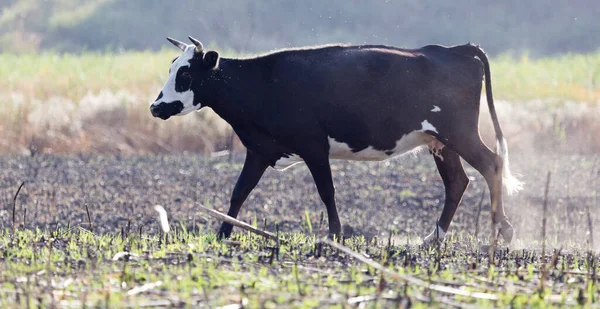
[198, 44]
[179, 44]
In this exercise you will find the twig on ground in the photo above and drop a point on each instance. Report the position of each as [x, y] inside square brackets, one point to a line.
[15, 205]
[409, 279]
[544, 268]
[590, 229]
[554, 259]
[163, 219]
[235, 222]
[89, 218]
[545, 211]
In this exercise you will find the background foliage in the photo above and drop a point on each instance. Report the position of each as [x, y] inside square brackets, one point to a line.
[543, 27]
[78, 76]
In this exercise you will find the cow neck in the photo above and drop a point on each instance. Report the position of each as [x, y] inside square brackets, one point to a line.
[238, 91]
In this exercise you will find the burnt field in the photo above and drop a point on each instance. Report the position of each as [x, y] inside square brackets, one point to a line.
[403, 196]
[124, 260]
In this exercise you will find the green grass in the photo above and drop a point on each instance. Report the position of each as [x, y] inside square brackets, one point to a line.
[572, 77]
[72, 76]
[83, 98]
[75, 268]
[567, 77]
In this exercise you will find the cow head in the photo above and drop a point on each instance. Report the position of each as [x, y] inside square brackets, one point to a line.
[186, 87]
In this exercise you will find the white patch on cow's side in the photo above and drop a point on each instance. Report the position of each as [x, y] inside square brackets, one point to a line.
[436, 109]
[342, 151]
[426, 126]
[408, 142]
[437, 234]
[285, 162]
[169, 92]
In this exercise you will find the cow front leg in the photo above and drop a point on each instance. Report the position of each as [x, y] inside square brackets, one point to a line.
[455, 183]
[254, 168]
[321, 172]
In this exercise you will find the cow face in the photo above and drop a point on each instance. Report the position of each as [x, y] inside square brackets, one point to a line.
[183, 93]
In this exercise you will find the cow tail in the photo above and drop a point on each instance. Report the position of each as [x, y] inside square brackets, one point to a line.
[511, 183]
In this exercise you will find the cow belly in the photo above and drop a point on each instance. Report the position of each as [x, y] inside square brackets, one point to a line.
[341, 150]
[408, 142]
[285, 162]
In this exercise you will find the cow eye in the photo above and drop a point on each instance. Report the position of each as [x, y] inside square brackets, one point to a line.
[183, 80]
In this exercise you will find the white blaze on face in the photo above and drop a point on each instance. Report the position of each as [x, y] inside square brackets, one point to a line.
[436, 109]
[169, 92]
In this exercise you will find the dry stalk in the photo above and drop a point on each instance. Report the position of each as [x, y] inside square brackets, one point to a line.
[595, 194]
[235, 222]
[89, 218]
[545, 212]
[15, 205]
[409, 279]
[590, 230]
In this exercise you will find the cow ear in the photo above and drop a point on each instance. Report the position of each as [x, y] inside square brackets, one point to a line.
[212, 59]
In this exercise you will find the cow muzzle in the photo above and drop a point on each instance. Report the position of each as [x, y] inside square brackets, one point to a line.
[165, 110]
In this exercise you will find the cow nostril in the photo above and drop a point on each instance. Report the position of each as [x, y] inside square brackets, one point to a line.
[154, 109]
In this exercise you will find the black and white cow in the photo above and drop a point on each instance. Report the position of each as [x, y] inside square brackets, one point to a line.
[367, 102]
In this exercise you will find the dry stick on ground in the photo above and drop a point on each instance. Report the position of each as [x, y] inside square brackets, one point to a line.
[554, 259]
[407, 278]
[236, 222]
[15, 205]
[589, 215]
[545, 212]
[544, 215]
[590, 230]
[89, 219]
[544, 220]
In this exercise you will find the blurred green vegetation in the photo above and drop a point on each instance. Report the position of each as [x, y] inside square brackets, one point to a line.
[187, 268]
[574, 77]
[542, 27]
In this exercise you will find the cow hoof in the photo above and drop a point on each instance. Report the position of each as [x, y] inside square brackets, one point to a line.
[224, 232]
[506, 230]
[436, 237]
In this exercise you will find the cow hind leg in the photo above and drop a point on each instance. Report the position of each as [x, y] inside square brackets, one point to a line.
[455, 183]
[254, 168]
[321, 172]
[489, 164]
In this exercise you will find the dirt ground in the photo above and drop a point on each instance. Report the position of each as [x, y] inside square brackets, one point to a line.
[403, 196]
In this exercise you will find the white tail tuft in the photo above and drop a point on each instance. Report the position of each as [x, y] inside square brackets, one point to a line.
[512, 184]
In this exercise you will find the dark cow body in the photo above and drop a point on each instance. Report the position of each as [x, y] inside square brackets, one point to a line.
[291, 101]
[366, 102]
